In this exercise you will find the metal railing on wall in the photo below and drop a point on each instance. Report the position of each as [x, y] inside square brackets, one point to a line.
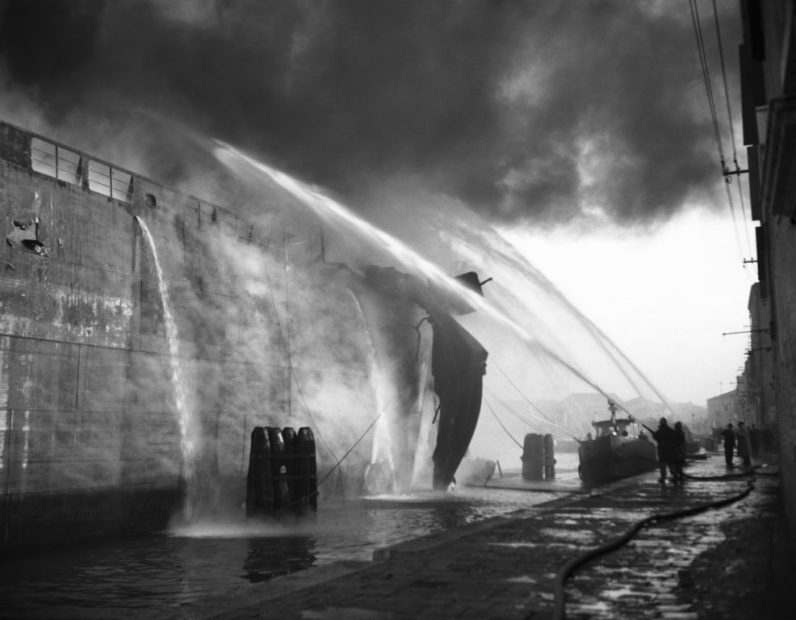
[68, 165]
[71, 167]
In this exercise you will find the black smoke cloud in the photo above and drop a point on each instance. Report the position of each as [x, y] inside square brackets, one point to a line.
[521, 110]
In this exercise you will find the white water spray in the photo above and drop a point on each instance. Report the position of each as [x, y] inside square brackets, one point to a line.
[382, 442]
[335, 214]
[184, 417]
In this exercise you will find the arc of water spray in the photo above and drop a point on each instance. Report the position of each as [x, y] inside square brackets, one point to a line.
[330, 210]
[603, 340]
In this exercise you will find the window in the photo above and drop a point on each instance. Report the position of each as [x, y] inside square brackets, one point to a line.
[99, 178]
[65, 165]
[55, 161]
[109, 181]
[42, 157]
[68, 166]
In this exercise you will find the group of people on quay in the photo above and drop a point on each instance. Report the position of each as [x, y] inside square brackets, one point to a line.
[741, 441]
[671, 449]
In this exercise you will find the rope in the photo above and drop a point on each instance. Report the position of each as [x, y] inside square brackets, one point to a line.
[285, 338]
[517, 415]
[356, 443]
[559, 605]
[501, 424]
[336, 465]
[531, 403]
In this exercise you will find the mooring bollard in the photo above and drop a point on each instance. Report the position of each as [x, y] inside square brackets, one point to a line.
[306, 470]
[549, 458]
[282, 476]
[291, 464]
[259, 482]
[279, 469]
[533, 457]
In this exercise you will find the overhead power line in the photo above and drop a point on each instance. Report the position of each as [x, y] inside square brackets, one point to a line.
[708, 83]
[732, 127]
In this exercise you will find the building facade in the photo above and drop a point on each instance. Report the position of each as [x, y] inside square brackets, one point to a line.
[724, 409]
[768, 79]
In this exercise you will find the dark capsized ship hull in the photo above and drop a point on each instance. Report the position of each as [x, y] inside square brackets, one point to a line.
[614, 457]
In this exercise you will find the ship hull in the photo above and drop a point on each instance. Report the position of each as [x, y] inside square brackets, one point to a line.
[144, 333]
[98, 374]
[610, 458]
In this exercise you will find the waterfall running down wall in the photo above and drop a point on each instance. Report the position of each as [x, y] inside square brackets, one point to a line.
[382, 442]
[185, 417]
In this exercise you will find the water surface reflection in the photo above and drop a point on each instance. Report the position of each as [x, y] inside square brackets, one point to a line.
[162, 573]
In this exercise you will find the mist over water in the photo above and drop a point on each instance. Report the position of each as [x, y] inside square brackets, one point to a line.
[331, 353]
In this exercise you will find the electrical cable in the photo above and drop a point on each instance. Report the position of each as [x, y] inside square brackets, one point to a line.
[730, 123]
[700, 42]
[695, 21]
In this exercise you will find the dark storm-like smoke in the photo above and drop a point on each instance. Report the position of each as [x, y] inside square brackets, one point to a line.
[522, 110]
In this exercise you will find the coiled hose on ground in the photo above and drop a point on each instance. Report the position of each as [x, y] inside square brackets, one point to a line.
[559, 603]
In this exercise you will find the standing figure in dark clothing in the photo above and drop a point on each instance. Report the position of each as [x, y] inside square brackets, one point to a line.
[665, 437]
[679, 453]
[744, 445]
[728, 436]
[754, 439]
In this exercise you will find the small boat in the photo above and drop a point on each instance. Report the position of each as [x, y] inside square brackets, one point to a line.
[617, 450]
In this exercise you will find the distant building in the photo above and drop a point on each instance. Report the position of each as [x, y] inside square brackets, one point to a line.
[757, 381]
[768, 81]
[724, 409]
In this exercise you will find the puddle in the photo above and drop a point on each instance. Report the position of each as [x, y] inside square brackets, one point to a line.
[345, 613]
[522, 579]
[580, 536]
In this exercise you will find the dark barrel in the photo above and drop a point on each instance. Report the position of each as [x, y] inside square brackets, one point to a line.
[549, 458]
[291, 463]
[533, 457]
[279, 469]
[306, 470]
[259, 480]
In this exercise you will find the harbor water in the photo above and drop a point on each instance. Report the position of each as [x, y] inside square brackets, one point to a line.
[161, 574]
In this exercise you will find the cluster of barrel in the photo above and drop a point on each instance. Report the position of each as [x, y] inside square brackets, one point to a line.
[538, 457]
[282, 476]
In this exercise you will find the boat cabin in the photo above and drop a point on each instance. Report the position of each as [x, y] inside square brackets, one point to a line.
[614, 426]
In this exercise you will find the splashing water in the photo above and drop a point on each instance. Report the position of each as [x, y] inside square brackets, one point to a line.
[184, 417]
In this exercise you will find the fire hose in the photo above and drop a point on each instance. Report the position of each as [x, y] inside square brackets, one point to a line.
[559, 603]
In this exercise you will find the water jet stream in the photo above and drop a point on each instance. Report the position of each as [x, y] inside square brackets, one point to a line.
[332, 212]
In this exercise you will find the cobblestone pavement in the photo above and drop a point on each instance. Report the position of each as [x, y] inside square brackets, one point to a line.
[725, 563]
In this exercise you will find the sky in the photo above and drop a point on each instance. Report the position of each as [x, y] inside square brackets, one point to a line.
[666, 297]
[579, 129]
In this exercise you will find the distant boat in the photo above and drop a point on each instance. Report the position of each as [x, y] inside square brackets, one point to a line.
[617, 450]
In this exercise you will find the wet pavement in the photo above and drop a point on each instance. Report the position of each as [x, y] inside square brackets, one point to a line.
[729, 562]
